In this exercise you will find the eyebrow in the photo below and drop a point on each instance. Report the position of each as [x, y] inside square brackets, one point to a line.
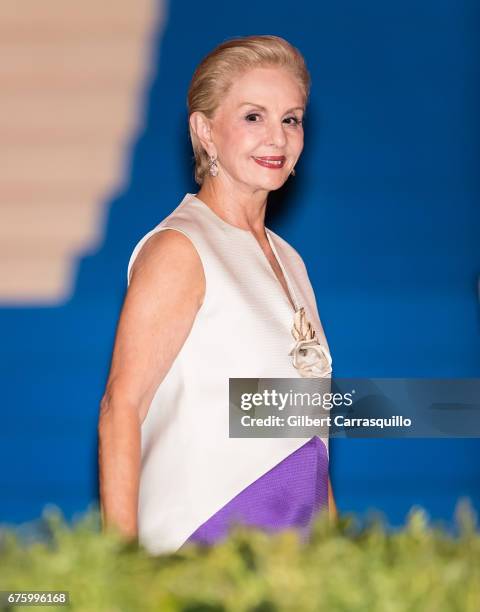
[263, 108]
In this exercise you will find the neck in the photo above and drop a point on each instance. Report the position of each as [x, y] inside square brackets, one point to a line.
[245, 209]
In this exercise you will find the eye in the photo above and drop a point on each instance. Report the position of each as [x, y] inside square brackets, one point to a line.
[295, 121]
[252, 115]
[292, 119]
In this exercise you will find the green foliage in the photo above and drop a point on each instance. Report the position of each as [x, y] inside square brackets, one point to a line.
[343, 567]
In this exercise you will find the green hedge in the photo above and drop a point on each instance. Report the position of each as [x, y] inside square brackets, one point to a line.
[343, 567]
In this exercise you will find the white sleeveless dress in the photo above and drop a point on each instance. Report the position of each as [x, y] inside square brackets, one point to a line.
[190, 467]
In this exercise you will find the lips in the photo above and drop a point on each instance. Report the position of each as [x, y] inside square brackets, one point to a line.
[271, 161]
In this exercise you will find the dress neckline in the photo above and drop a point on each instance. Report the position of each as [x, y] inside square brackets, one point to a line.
[291, 298]
[307, 353]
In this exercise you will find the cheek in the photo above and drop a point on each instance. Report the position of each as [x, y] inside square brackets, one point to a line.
[242, 136]
[296, 143]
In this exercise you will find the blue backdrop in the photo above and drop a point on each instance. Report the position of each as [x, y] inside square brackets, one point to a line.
[384, 209]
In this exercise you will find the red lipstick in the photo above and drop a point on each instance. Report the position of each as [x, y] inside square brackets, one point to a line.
[271, 161]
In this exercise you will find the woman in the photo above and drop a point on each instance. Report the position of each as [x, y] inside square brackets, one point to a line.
[214, 295]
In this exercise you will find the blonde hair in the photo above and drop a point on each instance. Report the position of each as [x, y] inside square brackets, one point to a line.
[214, 76]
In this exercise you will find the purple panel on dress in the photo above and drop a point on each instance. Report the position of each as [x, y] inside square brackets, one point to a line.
[288, 495]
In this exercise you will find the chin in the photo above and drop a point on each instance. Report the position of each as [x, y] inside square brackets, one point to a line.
[272, 184]
[277, 183]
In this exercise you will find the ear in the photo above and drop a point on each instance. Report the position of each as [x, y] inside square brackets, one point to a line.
[201, 126]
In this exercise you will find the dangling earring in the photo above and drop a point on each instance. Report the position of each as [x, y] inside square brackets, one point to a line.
[213, 165]
[292, 172]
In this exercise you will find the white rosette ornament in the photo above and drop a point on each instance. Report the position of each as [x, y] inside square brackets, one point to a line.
[309, 357]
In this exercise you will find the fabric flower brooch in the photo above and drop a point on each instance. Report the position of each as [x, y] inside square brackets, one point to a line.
[309, 357]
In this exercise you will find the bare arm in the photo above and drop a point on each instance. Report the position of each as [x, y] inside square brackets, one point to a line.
[166, 290]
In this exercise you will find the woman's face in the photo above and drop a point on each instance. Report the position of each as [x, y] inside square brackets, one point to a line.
[260, 117]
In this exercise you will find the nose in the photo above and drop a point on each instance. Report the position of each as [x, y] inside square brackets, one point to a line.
[276, 134]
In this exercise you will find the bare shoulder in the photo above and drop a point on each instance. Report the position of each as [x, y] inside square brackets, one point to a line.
[165, 293]
[168, 261]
